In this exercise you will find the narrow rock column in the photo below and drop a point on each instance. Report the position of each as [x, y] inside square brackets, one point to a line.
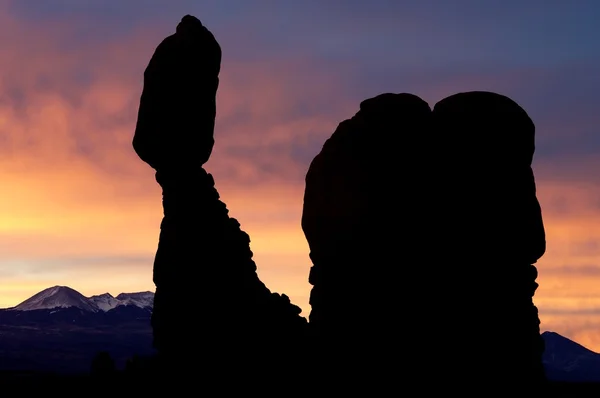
[174, 135]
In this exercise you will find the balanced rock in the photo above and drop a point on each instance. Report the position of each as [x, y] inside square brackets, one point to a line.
[214, 321]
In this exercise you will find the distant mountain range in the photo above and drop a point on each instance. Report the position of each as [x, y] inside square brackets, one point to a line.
[65, 297]
[60, 330]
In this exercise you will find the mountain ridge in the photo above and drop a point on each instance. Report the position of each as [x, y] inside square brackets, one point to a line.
[66, 297]
[568, 361]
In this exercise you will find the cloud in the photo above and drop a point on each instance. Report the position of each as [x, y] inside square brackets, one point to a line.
[274, 111]
[579, 270]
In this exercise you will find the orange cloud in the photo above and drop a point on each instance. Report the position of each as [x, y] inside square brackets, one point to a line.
[569, 272]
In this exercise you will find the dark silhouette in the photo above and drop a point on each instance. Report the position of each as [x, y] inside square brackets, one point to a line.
[417, 221]
[103, 365]
[362, 206]
[424, 223]
[138, 367]
[490, 233]
[203, 256]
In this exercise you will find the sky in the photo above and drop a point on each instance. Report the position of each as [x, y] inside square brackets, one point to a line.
[78, 207]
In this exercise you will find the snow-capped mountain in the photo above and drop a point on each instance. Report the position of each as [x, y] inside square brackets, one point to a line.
[57, 297]
[107, 302]
[59, 330]
[140, 299]
[104, 301]
[66, 297]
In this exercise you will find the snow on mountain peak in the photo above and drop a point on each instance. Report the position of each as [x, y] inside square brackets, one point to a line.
[139, 299]
[104, 301]
[57, 297]
[107, 302]
[65, 297]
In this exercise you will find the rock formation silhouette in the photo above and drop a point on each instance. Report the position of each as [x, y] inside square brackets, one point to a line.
[491, 233]
[203, 256]
[360, 189]
[420, 223]
[423, 228]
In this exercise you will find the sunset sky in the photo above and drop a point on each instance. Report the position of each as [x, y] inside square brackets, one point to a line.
[78, 208]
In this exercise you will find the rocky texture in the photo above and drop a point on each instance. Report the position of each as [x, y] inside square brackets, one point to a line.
[421, 221]
[203, 256]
